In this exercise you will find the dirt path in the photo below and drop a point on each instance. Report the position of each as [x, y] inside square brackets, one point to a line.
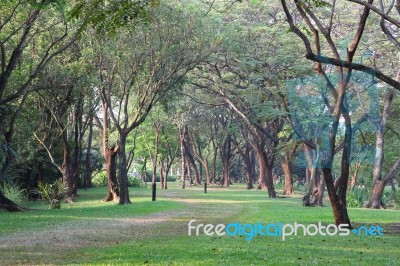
[42, 245]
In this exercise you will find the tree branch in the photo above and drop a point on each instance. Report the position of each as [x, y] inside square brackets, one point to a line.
[355, 66]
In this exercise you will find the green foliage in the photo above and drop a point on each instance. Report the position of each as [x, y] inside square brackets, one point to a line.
[54, 193]
[99, 179]
[357, 197]
[396, 199]
[13, 192]
[315, 3]
[391, 197]
[134, 182]
[60, 5]
[6, 150]
[149, 176]
[107, 16]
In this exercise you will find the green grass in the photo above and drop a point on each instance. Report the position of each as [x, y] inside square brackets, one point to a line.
[155, 233]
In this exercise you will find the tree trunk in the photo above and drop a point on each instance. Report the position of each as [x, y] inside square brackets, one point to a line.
[379, 184]
[248, 168]
[287, 170]
[339, 212]
[269, 177]
[155, 157]
[376, 195]
[319, 193]
[311, 186]
[214, 164]
[110, 154]
[166, 171]
[312, 167]
[225, 173]
[7, 204]
[88, 161]
[111, 168]
[161, 166]
[262, 164]
[357, 167]
[345, 167]
[189, 172]
[183, 167]
[76, 158]
[66, 172]
[197, 152]
[123, 171]
[337, 195]
[143, 173]
[192, 162]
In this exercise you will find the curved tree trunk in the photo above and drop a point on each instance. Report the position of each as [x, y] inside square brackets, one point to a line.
[339, 212]
[312, 165]
[337, 194]
[376, 196]
[310, 187]
[8, 205]
[379, 182]
[379, 186]
[110, 154]
[319, 193]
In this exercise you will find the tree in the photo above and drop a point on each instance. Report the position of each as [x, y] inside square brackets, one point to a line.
[20, 28]
[140, 72]
[337, 102]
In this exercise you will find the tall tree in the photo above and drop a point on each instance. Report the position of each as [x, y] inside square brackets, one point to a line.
[321, 29]
[145, 66]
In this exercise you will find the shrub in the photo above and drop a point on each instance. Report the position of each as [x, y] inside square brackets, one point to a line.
[100, 179]
[390, 198]
[357, 196]
[396, 199]
[171, 178]
[54, 193]
[134, 182]
[13, 192]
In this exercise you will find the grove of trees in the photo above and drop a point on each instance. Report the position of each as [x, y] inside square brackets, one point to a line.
[285, 96]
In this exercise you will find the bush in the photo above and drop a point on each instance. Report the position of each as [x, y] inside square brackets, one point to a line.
[134, 182]
[396, 199]
[390, 198]
[149, 176]
[13, 192]
[54, 193]
[357, 196]
[171, 178]
[100, 179]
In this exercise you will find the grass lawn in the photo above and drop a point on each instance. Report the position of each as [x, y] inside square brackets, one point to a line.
[155, 233]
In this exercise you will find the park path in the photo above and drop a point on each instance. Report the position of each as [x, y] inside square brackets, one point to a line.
[24, 247]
